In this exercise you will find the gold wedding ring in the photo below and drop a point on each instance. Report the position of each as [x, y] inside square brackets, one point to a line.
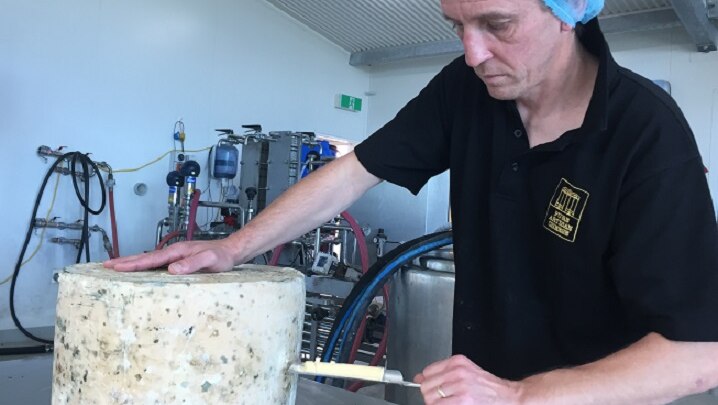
[441, 393]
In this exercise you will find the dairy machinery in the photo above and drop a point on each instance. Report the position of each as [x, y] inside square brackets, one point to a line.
[254, 168]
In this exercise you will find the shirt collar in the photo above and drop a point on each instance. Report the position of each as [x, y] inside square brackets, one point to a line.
[593, 40]
[596, 119]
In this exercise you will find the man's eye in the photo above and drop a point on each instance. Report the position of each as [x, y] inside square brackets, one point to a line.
[457, 27]
[498, 26]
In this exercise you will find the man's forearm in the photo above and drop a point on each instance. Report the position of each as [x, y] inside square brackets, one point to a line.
[653, 370]
[306, 205]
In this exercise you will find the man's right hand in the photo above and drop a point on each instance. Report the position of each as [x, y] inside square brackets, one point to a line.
[181, 258]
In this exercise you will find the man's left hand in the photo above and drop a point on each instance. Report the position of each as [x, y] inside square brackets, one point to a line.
[458, 381]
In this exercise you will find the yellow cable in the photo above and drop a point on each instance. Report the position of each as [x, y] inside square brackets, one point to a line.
[157, 160]
[42, 233]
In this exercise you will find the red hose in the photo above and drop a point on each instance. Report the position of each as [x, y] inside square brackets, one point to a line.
[357, 342]
[275, 255]
[113, 222]
[167, 238]
[364, 256]
[361, 240]
[194, 203]
[380, 351]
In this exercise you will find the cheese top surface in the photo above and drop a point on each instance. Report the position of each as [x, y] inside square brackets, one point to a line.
[247, 273]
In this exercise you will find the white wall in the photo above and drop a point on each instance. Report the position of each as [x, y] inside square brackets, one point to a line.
[395, 209]
[112, 77]
[670, 55]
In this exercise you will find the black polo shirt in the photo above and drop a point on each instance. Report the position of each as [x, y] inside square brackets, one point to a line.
[574, 249]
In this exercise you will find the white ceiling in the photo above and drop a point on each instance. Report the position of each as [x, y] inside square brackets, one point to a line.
[361, 25]
[613, 7]
[378, 31]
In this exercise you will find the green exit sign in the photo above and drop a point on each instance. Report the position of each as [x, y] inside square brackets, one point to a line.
[346, 102]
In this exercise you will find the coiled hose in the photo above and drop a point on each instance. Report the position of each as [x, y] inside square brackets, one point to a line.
[349, 317]
[86, 164]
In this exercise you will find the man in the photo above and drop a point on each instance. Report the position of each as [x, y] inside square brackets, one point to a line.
[585, 237]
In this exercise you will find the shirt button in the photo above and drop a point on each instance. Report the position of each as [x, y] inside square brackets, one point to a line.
[468, 326]
[515, 166]
[518, 133]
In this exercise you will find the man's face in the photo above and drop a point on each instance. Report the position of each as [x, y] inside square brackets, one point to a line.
[508, 43]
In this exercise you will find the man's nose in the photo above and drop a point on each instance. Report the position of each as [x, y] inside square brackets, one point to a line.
[476, 49]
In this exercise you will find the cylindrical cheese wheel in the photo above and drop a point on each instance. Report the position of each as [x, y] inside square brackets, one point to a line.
[156, 338]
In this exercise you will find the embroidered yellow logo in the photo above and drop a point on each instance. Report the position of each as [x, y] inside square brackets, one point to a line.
[565, 210]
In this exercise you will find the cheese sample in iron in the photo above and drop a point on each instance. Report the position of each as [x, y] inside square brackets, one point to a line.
[340, 370]
[157, 338]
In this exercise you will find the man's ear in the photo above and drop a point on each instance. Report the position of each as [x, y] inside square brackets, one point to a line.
[566, 27]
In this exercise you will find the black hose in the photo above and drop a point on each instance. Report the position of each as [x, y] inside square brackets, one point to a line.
[28, 236]
[366, 279]
[412, 246]
[86, 163]
[14, 351]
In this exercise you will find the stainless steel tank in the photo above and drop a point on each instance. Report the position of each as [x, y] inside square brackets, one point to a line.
[420, 315]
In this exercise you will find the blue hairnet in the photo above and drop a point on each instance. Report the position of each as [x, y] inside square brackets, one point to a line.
[575, 11]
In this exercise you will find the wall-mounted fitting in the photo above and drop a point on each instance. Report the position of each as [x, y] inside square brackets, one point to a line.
[140, 189]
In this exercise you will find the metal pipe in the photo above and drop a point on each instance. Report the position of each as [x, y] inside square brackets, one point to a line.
[333, 227]
[105, 239]
[211, 233]
[160, 228]
[42, 223]
[217, 204]
[175, 215]
[313, 339]
[317, 241]
[44, 150]
[76, 226]
[354, 252]
[250, 211]
[65, 171]
[187, 209]
[65, 241]
[319, 162]
[243, 219]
